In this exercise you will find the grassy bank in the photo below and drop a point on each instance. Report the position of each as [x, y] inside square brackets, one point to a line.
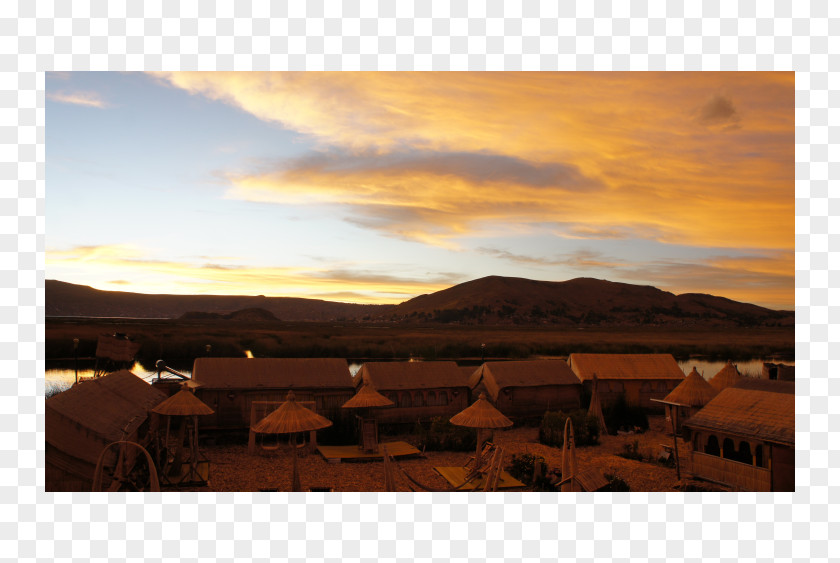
[172, 339]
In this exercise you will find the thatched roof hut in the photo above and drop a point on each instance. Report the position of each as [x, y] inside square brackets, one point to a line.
[639, 377]
[232, 386]
[745, 436]
[83, 420]
[419, 390]
[726, 377]
[528, 388]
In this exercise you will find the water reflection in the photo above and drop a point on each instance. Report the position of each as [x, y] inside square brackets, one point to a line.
[708, 369]
[60, 375]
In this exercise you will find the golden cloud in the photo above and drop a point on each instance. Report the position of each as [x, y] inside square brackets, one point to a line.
[147, 275]
[609, 152]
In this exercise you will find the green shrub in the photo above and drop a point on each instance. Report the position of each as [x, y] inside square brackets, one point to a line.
[442, 435]
[522, 467]
[586, 430]
[622, 416]
[631, 451]
[616, 484]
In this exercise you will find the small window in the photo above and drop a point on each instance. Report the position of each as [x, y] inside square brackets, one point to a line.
[712, 446]
[418, 398]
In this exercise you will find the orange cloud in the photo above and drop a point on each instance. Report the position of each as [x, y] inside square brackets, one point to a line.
[655, 154]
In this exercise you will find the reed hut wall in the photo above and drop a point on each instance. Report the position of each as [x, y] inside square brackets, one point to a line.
[639, 377]
[420, 390]
[744, 437]
[230, 385]
[528, 388]
[82, 421]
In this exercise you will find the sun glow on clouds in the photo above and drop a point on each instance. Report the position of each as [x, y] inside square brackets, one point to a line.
[583, 163]
[145, 275]
[622, 152]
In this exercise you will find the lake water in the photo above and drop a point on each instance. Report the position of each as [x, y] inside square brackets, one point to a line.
[60, 375]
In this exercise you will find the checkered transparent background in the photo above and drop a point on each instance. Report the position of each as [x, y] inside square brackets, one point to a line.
[353, 35]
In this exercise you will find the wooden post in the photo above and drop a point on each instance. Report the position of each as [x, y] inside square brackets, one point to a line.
[295, 473]
[252, 436]
[674, 425]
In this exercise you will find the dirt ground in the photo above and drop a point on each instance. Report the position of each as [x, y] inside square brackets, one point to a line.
[232, 469]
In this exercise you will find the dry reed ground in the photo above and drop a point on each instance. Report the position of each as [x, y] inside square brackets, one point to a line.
[232, 469]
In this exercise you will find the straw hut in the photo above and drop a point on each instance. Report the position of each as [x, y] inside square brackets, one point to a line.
[291, 418]
[365, 401]
[483, 416]
[780, 372]
[639, 377]
[179, 443]
[744, 437]
[528, 388]
[232, 386]
[688, 397]
[82, 421]
[726, 377]
[114, 352]
[419, 390]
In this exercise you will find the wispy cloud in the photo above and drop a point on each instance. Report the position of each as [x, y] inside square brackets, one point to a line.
[87, 99]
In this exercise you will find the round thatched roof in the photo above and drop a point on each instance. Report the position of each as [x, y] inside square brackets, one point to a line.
[726, 377]
[694, 391]
[367, 397]
[481, 414]
[291, 417]
[183, 403]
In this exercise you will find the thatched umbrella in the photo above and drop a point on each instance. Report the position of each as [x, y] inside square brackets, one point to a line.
[595, 406]
[366, 399]
[183, 404]
[291, 418]
[726, 377]
[481, 415]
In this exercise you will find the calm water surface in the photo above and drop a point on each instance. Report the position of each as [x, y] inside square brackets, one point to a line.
[60, 375]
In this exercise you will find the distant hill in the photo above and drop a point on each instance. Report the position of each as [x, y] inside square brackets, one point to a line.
[581, 301]
[71, 300]
[492, 300]
[251, 315]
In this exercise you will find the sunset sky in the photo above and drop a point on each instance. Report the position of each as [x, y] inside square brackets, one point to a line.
[377, 187]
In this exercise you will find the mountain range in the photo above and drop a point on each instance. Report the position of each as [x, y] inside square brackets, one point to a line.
[492, 300]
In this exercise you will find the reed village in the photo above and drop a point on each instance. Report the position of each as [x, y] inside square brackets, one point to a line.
[589, 422]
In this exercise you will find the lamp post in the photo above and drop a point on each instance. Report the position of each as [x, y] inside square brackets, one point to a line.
[76, 358]
[482, 352]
